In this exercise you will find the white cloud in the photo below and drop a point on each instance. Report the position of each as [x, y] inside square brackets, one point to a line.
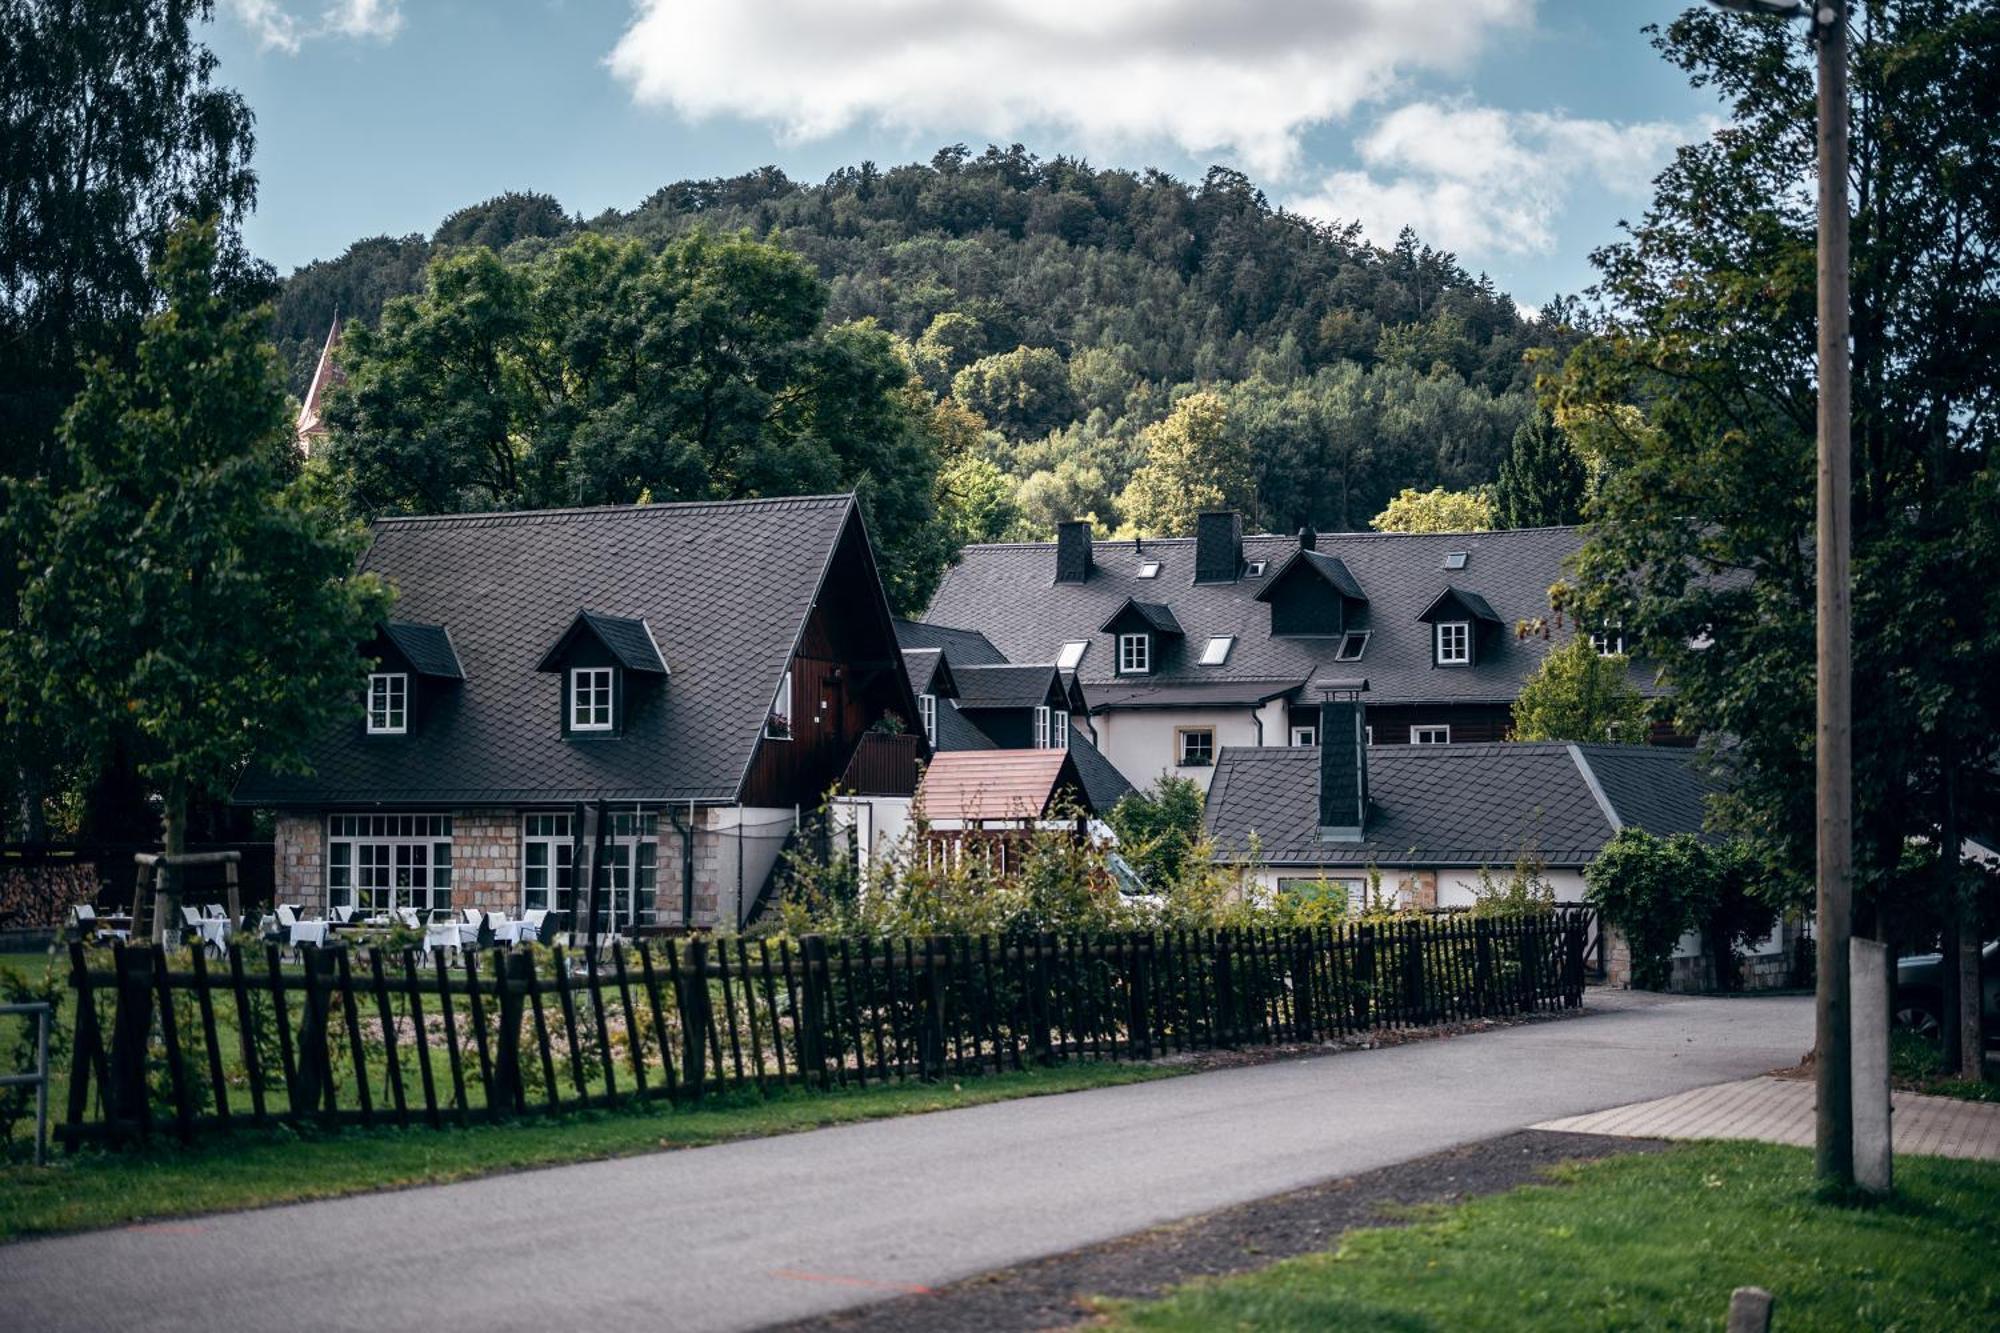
[279, 29]
[1475, 179]
[1204, 75]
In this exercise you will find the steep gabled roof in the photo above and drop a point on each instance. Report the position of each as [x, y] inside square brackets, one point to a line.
[1470, 602]
[628, 639]
[427, 648]
[1011, 686]
[1000, 785]
[967, 647]
[1456, 805]
[1328, 567]
[1156, 616]
[929, 673]
[725, 586]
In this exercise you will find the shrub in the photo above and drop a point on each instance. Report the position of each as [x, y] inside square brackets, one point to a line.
[1654, 890]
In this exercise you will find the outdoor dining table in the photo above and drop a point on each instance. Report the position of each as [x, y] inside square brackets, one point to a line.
[308, 932]
[214, 932]
[512, 932]
[449, 935]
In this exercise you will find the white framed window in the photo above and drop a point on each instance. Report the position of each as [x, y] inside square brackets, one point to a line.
[1194, 746]
[590, 698]
[379, 862]
[1217, 650]
[1135, 654]
[1454, 643]
[1149, 569]
[388, 703]
[1042, 732]
[627, 874]
[779, 725]
[1608, 643]
[1305, 736]
[1349, 890]
[1352, 645]
[1254, 569]
[1435, 735]
[1072, 653]
[1059, 727]
[927, 713]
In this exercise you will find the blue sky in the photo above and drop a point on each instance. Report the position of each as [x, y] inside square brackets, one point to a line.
[1515, 132]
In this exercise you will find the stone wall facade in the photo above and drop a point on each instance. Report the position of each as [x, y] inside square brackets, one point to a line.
[486, 860]
[299, 851]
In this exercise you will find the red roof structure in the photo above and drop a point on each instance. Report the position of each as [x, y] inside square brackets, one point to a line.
[1019, 786]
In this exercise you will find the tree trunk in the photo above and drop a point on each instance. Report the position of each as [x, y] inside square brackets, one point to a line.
[166, 906]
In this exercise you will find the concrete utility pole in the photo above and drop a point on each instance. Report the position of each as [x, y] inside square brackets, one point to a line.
[1834, 1012]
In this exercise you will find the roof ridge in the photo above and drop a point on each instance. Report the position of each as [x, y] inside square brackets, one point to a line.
[1115, 542]
[509, 517]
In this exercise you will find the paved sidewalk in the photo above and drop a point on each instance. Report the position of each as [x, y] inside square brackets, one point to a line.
[1780, 1110]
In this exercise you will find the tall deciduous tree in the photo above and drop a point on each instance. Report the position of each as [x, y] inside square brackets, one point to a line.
[1701, 400]
[111, 131]
[183, 600]
[1542, 480]
[1195, 460]
[603, 371]
[1436, 510]
[1577, 694]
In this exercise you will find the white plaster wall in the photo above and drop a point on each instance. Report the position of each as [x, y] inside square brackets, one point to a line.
[1458, 887]
[1141, 745]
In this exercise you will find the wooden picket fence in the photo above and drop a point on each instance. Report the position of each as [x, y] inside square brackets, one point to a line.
[167, 1043]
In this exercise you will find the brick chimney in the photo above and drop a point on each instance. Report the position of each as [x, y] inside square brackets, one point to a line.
[1218, 546]
[1308, 539]
[1073, 551]
[1343, 761]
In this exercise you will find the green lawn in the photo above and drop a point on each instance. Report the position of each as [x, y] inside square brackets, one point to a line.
[97, 1189]
[1653, 1241]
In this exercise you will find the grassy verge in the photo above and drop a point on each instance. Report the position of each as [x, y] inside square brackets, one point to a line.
[97, 1189]
[1917, 1065]
[1649, 1241]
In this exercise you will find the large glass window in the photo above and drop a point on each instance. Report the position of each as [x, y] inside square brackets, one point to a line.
[388, 703]
[590, 699]
[627, 875]
[378, 862]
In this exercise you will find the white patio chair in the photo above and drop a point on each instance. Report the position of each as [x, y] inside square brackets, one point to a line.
[473, 916]
[191, 917]
[408, 916]
[531, 924]
[343, 914]
[214, 912]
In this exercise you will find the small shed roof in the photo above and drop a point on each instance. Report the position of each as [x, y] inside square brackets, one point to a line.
[629, 639]
[1001, 785]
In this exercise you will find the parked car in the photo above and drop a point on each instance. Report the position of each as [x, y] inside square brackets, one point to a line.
[1920, 992]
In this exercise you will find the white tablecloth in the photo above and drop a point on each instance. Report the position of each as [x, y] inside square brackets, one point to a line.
[512, 932]
[214, 931]
[449, 935]
[308, 932]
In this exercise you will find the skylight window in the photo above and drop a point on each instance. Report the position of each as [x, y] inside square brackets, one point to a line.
[1352, 645]
[1149, 569]
[1455, 559]
[1072, 654]
[1254, 569]
[1217, 651]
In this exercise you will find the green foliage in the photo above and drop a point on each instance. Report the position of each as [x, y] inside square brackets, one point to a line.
[1024, 392]
[1654, 890]
[1195, 460]
[183, 602]
[1159, 827]
[1699, 403]
[1543, 481]
[1577, 694]
[503, 220]
[601, 371]
[1526, 891]
[1436, 510]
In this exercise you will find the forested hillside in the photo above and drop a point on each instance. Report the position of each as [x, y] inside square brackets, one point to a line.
[1071, 308]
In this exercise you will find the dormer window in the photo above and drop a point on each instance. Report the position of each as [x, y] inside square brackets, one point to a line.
[591, 690]
[1072, 653]
[927, 712]
[388, 703]
[1352, 645]
[779, 725]
[1454, 643]
[1135, 654]
[1217, 650]
[1254, 569]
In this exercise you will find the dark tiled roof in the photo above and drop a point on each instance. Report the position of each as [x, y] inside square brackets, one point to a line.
[1157, 615]
[1008, 686]
[1474, 604]
[1452, 805]
[427, 648]
[956, 731]
[1127, 695]
[1328, 567]
[927, 671]
[726, 588]
[1007, 592]
[1104, 784]
[628, 639]
[967, 647]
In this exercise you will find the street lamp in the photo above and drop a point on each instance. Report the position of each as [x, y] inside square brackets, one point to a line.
[1834, 750]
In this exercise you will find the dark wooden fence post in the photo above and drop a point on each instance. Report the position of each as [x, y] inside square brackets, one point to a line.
[812, 1011]
[1305, 1020]
[1224, 1028]
[1364, 977]
[1415, 1008]
[510, 982]
[1138, 1022]
[694, 1018]
[1037, 975]
[936, 977]
[131, 1030]
[1482, 977]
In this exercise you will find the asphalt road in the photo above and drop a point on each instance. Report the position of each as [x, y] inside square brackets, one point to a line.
[745, 1234]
